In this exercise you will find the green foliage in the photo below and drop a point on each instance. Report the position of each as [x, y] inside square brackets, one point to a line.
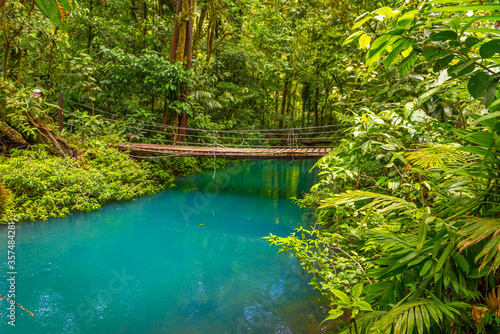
[44, 186]
[456, 43]
[150, 75]
[417, 227]
[5, 198]
[87, 126]
[408, 206]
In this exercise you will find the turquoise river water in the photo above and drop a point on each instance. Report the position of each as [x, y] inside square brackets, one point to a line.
[186, 260]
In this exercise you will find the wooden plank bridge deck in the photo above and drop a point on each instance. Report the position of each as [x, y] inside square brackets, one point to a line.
[226, 152]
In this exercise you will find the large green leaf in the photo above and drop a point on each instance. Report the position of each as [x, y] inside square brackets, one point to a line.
[432, 52]
[441, 63]
[483, 86]
[51, 9]
[471, 41]
[462, 68]
[465, 8]
[444, 35]
[363, 306]
[361, 22]
[56, 10]
[334, 314]
[406, 65]
[357, 290]
[378, 48]
[352, 37]
[489, 48]
[397, 48]
[444, 257]
[364, 41]
[484, 139]
[340, 295]
[405, 20]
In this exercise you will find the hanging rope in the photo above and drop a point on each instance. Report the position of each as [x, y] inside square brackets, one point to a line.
[291, 142]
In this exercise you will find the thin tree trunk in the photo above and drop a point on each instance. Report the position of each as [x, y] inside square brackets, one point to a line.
[211, 34]
[89, 37]
[6, 60]
[199, 29]
[144, 22]
[276, 104]
[324, 105]
[166, 115]
[134, 16]
[283, 104]
[316, 101]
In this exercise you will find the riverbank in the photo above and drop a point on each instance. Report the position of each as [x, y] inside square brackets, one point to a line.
[41, 186]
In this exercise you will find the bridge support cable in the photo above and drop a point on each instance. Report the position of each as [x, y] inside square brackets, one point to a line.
[149, 138]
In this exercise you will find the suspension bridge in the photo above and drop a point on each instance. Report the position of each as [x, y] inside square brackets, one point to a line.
[153, 140]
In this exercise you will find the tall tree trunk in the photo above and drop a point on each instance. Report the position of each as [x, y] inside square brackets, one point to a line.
[181, 50]
[188, 52]
[175, 36]
[173, 55]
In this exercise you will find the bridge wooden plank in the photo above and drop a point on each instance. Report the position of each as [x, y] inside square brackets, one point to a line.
[227, 152]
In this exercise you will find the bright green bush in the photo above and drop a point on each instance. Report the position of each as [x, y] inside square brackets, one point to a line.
[5, 197]
[44, 186]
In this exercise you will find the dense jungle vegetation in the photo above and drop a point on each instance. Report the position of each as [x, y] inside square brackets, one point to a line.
[407, 211]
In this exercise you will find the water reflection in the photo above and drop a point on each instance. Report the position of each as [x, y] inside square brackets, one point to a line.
[187, 260]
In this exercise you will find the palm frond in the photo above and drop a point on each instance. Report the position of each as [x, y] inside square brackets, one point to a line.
[437, 156]
[201, 95]
[477, 230]
[206, 98]
[382, 203]
[420, 315]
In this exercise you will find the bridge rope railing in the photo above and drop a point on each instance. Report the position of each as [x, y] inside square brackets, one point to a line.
[142, 131]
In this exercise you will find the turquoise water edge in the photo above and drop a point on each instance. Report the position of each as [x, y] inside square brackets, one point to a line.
[186, 260]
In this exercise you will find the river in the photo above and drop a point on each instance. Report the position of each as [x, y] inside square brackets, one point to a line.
[186, 260]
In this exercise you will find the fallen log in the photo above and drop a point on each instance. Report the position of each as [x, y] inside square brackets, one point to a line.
[8, 134]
